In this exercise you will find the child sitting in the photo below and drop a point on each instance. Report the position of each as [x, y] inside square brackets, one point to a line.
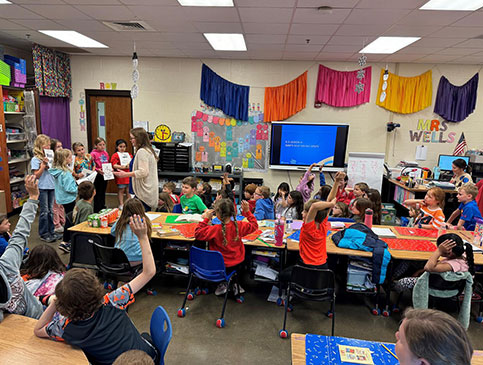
[14, 296]
[85, 309]
[249, 194]
[414, 213]
[42, 271]
[432, 216]
[190, 202]
[204, 192]
[340, 210]
[264, 205]
[126, 240]
[358, 209]
[343, 194]
[165, 203]
[323, 193]
[84, 208]
[360, 191]
[374, 196]
[227, 236]
[169, 188]
[4, 233]
[306, 183]
[294, 206]
[280, 199]
[457, 257]
[468, 209]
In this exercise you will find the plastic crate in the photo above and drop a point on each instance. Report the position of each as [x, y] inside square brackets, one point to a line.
[15, 136]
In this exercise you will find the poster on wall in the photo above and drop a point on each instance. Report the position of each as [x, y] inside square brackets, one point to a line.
[220, 139]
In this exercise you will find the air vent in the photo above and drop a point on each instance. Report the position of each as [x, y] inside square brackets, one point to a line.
[131, 26]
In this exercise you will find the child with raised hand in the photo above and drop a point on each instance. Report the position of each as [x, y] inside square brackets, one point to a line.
[264, 205]
[57, 209]
[306, 183]
[14, 296]
[43, 270]
[39, 166]
[121, 182]
[358, 209]
[100, 156]
[190, 202]
[294, 206]
[323, 193]
[280, 199]
[227, 236]
[126, 240]
[344, 195]
[83, 161]
[4, 233]
[431, 216]
[84, 308]
[204, 192]
[468, 209]
[65, 185]
[165, 203]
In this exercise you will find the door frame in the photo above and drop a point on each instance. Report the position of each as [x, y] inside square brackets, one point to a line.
[97, 92]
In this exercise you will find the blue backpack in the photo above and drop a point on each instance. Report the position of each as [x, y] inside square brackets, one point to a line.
[360, 237]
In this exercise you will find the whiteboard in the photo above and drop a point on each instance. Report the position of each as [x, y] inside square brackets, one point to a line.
[366, 167]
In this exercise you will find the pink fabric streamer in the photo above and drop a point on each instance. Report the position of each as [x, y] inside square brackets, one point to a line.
[337, 88]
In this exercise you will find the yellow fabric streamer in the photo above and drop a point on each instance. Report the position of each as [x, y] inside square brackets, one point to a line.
[404, 95]
[281, 102]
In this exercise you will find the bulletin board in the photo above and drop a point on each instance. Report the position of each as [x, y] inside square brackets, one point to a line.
[366, 167]
[220, 139]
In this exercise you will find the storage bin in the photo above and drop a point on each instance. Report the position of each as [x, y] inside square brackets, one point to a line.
[388, 214]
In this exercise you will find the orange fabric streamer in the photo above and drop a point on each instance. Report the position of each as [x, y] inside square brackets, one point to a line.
[281, 102]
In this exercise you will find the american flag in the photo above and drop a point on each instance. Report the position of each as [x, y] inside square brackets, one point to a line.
[460, 147]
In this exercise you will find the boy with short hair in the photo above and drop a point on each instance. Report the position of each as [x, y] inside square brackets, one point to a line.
[190, 202]
[4, 233]
[83, 208]
[264, 205]
[249, 193]
[468, 209]
[169, 188]
[92, 321]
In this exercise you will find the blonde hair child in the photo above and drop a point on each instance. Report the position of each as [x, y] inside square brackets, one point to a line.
[65, 185]
[82, 161]
[431, 216]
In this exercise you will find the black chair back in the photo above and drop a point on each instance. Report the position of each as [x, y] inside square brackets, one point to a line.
[438, 283]
[312, 284]
[82, 250]
[112, 260]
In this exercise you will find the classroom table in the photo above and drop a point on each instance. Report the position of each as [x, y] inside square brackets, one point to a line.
[298, 351]
[19, 345]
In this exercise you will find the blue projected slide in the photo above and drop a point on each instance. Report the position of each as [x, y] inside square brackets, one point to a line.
[308, 145]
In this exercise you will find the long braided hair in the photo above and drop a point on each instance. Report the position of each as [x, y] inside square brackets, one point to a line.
[224, 208]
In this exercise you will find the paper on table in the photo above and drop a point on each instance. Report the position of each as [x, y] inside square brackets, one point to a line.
[124, 158]
[107, 170]
[50, 156]
[189, 218]
[383, 232]
[152, 216]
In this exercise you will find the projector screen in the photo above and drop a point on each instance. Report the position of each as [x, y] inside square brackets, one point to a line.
[298, 145]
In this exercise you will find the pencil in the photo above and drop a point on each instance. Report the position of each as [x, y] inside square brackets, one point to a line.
[389, 351]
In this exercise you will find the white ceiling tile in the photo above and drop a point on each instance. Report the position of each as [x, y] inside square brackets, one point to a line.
[420, 50]
[458, 32]
[39, 2]
[437, 58]
[412, 30]
[84, 25]
[234, 55]
[437, 42]
[470, 43]
[17, 12]
[167, 53]
[402, 57]
[299, 55]
[341, 49]
[265, 28]
[350, 40]
[107, 36]
[432, 17]
[146, 36]
[460, 51]
[184, 37]
[304, 15]
[322, 29]
[375, 29]
[347, 4]
[193, 45]
[58, 11]
[265, 3]
[372, 16]
[172, 27]
[303, 47]
[468, 60]
[391, 4]
[266, 15]
[211, 14]
[475, 19]
[265, 46]
[302, 39]
[154, 45]
[209, 27]
[200, 53]
[160, 13]
[93, 2]
[150, 2]
[370, 59]
[37, 24]
[107, 12]
[263, 55]
[7, 25]
[265, 38]
[323, 56]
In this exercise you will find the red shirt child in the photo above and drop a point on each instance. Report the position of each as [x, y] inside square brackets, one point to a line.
[115, 160]
[228, 243]
[313, 236]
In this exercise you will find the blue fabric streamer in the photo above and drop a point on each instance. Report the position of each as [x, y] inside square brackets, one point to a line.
[231, 98]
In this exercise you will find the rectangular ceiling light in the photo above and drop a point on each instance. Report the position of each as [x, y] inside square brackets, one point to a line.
[206, 2]
[388, 45]
[226, 41]
[74, 38]
[468, 5]
[4, 2]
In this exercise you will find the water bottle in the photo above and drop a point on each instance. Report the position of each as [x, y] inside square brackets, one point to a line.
[288, 225]
[478, 240]
[368, 217]
[279, 231]
[436, 173]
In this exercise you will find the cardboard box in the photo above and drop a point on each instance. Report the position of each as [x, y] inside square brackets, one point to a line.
[3, 202]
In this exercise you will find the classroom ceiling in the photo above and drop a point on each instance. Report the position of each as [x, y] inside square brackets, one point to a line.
[273, 29]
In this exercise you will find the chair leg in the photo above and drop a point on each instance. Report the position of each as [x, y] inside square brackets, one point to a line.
[332, 309]
[182, 310]
[225, 299]
[287, 300]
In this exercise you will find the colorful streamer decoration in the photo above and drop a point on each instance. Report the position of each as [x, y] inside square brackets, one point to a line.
[281, 102]
[336, 88]
[455, 103]
[231, 98]
[404, 95]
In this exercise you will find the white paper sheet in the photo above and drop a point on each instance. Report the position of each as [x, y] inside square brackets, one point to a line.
[421, 153]
[89, 176]
[124, 158]
[266, 272]
[152, 216]
[383, 232]
[50, 156]
[107, 170]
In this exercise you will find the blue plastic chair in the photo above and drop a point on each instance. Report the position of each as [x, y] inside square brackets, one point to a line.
[208, 265]
[177, 208]
[161, 335]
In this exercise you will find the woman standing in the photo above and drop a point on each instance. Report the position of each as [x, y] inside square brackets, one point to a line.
[144, 172]
[461, 172]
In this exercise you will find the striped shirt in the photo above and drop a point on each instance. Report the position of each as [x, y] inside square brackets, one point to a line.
[434, 216]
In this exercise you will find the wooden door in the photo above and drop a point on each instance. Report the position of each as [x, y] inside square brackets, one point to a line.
[109, 115]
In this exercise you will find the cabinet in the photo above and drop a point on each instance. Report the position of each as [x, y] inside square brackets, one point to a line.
[17, 132]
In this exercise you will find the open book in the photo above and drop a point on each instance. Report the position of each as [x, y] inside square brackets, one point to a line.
[189, 218]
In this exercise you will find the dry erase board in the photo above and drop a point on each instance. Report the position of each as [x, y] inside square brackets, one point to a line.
[366, 167]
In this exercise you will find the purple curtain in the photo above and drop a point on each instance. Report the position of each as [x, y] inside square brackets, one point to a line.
[55, 118]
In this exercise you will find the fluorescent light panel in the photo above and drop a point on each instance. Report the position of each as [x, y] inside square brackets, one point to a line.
[4, 2]
[74, 38]
[388, 45]
[226, 41]
[206, 2]
[468, 5]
